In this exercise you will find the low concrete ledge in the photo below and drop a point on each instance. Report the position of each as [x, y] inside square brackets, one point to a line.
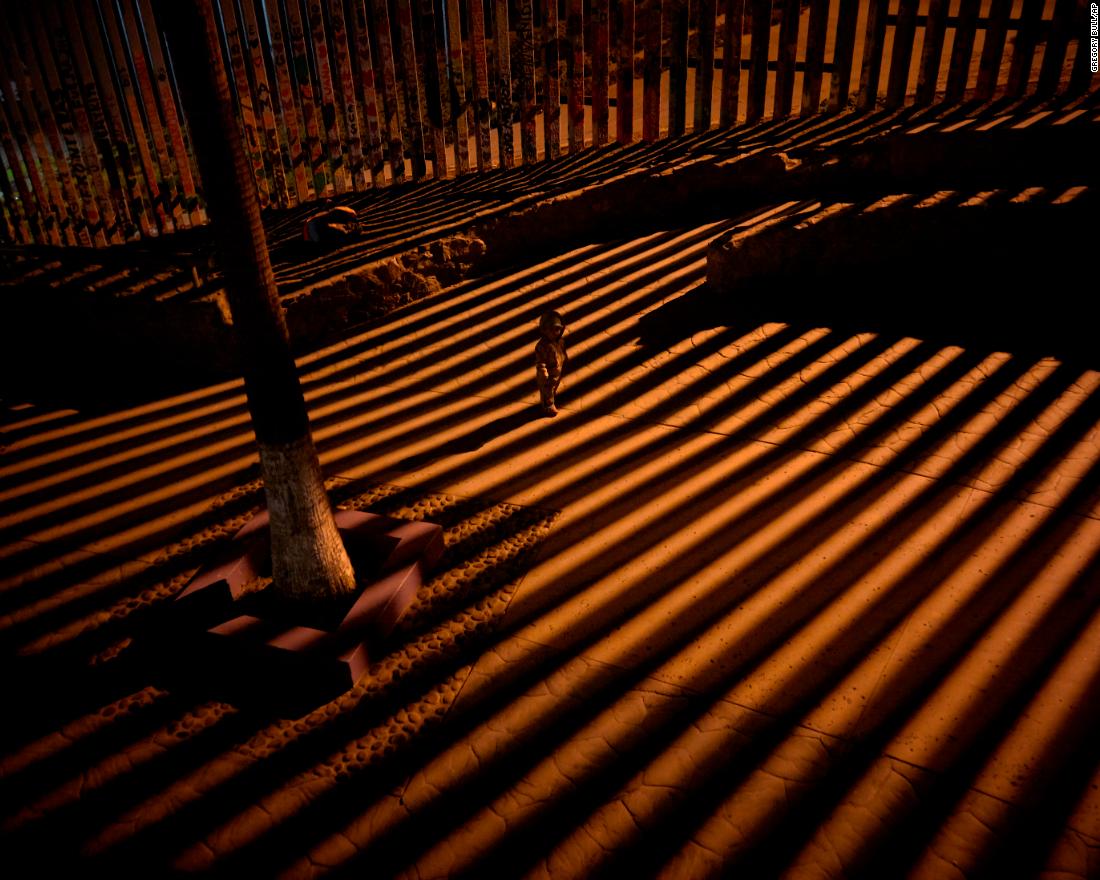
[992, 272]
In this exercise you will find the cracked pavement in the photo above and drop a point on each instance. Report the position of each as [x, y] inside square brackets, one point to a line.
[769, 597]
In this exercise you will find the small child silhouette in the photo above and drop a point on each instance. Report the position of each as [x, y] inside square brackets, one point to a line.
[550, 359]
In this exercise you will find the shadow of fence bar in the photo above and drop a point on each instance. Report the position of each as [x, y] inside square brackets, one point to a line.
[337, 96]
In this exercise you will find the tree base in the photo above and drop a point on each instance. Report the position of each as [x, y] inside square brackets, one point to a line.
[256, 647]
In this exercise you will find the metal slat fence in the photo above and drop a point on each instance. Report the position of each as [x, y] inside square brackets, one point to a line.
[339, 96]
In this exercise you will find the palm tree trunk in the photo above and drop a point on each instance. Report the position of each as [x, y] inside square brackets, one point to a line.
[308, 557]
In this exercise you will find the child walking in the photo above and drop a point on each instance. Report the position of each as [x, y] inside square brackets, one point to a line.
[550, 359]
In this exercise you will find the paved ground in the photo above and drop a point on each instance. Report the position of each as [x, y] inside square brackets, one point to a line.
[766, 598]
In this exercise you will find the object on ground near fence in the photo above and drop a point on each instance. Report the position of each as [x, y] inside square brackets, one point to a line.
[332, 225]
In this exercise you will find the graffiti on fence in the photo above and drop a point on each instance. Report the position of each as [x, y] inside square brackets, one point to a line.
[94, 150]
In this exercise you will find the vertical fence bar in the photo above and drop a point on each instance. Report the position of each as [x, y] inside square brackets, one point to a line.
[413, 115]
[993, 49]
[76, 145]
[482, 116]
[457, 69]
[1054, 57]
[678, 66]
[291, 114]
[101, 163]
[816, 34]
[704, 72]
[901, 55]
[32, 187]
[872, 55]
[16, 78]
[15, 203]
[788, 50]
[551, 79]
[505, 144]
[76, 126]
[149, 164]
[433, 86]
[330, 115]
[348, 102]
[391, 127]
[758, 58]
[574, 33]
[963, 47]
[15, 222]
[651, 70]
[931, 52]
[51, 169]
[90, 133]
[78, 34]
[600, 62]
[313, 147]
[1023, 49]
[367, 90]
[173, 126]
[624, 71]
[112, 98]
[253, 139]
[527, 108]
[844, 49]
[34, 82]
[731, 63]
[468, 77]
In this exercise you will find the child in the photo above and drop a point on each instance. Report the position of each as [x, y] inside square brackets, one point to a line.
[550, 359]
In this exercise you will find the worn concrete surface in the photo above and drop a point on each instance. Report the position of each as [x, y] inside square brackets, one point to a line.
[770, 597]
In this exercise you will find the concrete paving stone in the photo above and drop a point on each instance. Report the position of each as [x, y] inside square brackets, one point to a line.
[126, 762]
[68, 738]
[1076, 852]
[757, 806]
[702, 754]
[890, 789]
[1008, 649]
[185, 791]
[577, 751]
[13, 578]
[922, 637]
[250, 824]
